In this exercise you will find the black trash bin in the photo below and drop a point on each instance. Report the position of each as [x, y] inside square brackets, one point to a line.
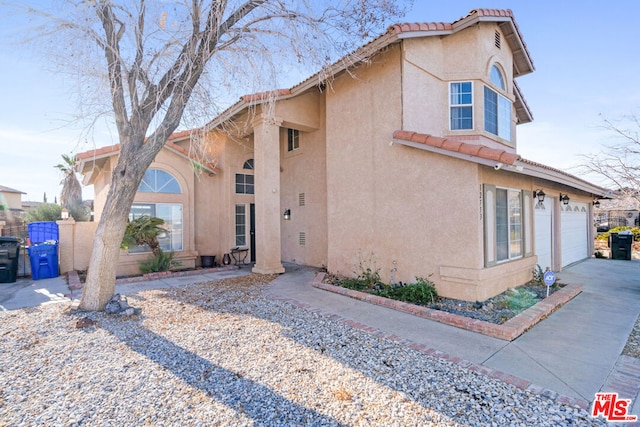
[9, 253]
[620, 244]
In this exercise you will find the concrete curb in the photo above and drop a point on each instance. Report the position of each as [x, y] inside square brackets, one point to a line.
[509, 331]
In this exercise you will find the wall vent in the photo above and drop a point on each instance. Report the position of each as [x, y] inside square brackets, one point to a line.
[498, 40]
[303, 238]
[301, 199]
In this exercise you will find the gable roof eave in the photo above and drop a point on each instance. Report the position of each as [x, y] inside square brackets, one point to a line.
[523, 112]
[522, 62]
[93, 156]
[358, 56]
[498, 159]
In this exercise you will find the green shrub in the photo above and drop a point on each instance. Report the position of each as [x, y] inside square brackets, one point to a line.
[354, 284]
[635, 231]
[161, 261]
[520, 299]
[43, 212]
[422, 292]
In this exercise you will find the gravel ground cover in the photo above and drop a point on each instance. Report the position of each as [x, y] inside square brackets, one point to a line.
[221, 353]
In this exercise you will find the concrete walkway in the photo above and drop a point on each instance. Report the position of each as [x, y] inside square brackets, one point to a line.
[575, 352]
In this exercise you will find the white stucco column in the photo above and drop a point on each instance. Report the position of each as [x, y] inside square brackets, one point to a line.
[266, 147]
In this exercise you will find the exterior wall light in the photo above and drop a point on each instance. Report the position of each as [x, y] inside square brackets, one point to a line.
[287, 214]
[565, 198]
[64, 213]
[539, 194]
[596, 204]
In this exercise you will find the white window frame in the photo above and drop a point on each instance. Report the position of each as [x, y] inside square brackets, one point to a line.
[491, 226]
[176, 240]
[502, 113]
[240, 233]
[453, 104]
[513, 227]
[293, 140]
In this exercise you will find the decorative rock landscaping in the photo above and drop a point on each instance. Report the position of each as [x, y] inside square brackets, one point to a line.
[225, 354]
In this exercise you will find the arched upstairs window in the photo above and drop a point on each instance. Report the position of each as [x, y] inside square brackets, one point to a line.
[497, 78]
[159, 181]
[248, 164]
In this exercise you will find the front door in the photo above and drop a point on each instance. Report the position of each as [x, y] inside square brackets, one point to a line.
[252, 231]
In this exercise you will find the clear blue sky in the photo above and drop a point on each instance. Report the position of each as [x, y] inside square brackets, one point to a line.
[586, 55]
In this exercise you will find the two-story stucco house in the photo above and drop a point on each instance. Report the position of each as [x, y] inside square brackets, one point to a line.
[410, 156]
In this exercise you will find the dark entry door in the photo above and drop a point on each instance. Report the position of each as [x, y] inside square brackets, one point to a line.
[252, 231]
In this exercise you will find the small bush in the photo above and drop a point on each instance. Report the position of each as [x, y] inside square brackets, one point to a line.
[43, 212]
[521, 299]
[422, 292]
[162, 261]
[635, 231]
[599, 254]
[538, 275]
[367, 272]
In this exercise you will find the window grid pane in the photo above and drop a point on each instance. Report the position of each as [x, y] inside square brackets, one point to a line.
[293, 139]
[244, 184]
[461, 101]
[490, 111]
[241, 225]
[508, 224]
[502, 225]
[171, 213]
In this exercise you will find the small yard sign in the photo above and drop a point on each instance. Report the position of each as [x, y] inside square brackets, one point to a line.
[549, 279]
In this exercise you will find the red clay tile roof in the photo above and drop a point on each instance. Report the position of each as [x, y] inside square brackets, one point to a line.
[114, 149]
[425, 26]
[453, 145]
[392, 35]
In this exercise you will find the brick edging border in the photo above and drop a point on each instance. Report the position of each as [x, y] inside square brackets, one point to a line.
[75, 284]
[508, 331]
[519, 383]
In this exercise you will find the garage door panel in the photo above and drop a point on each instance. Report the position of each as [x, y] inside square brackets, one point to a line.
[573, 235]
[543, 214]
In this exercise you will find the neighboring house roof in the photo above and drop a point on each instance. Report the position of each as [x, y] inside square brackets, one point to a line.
[4, 189]
[170, 145]
[29, 204]
[522, 62]
[499, 159]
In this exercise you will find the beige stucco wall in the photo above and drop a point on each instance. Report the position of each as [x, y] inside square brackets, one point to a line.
[431, 63]
[410, 210]
[303, 174]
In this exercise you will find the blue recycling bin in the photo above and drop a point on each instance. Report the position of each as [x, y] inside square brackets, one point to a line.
[43, 254]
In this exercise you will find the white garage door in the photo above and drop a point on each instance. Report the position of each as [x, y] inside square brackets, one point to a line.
[573, 224]
[543, 226]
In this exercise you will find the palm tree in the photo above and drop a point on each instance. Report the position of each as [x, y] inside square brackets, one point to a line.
[144, 230]
[71, 195]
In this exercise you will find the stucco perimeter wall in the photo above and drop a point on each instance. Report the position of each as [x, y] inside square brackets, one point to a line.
[303, 181]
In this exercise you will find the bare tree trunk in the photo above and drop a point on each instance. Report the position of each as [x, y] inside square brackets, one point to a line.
[101, 276]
